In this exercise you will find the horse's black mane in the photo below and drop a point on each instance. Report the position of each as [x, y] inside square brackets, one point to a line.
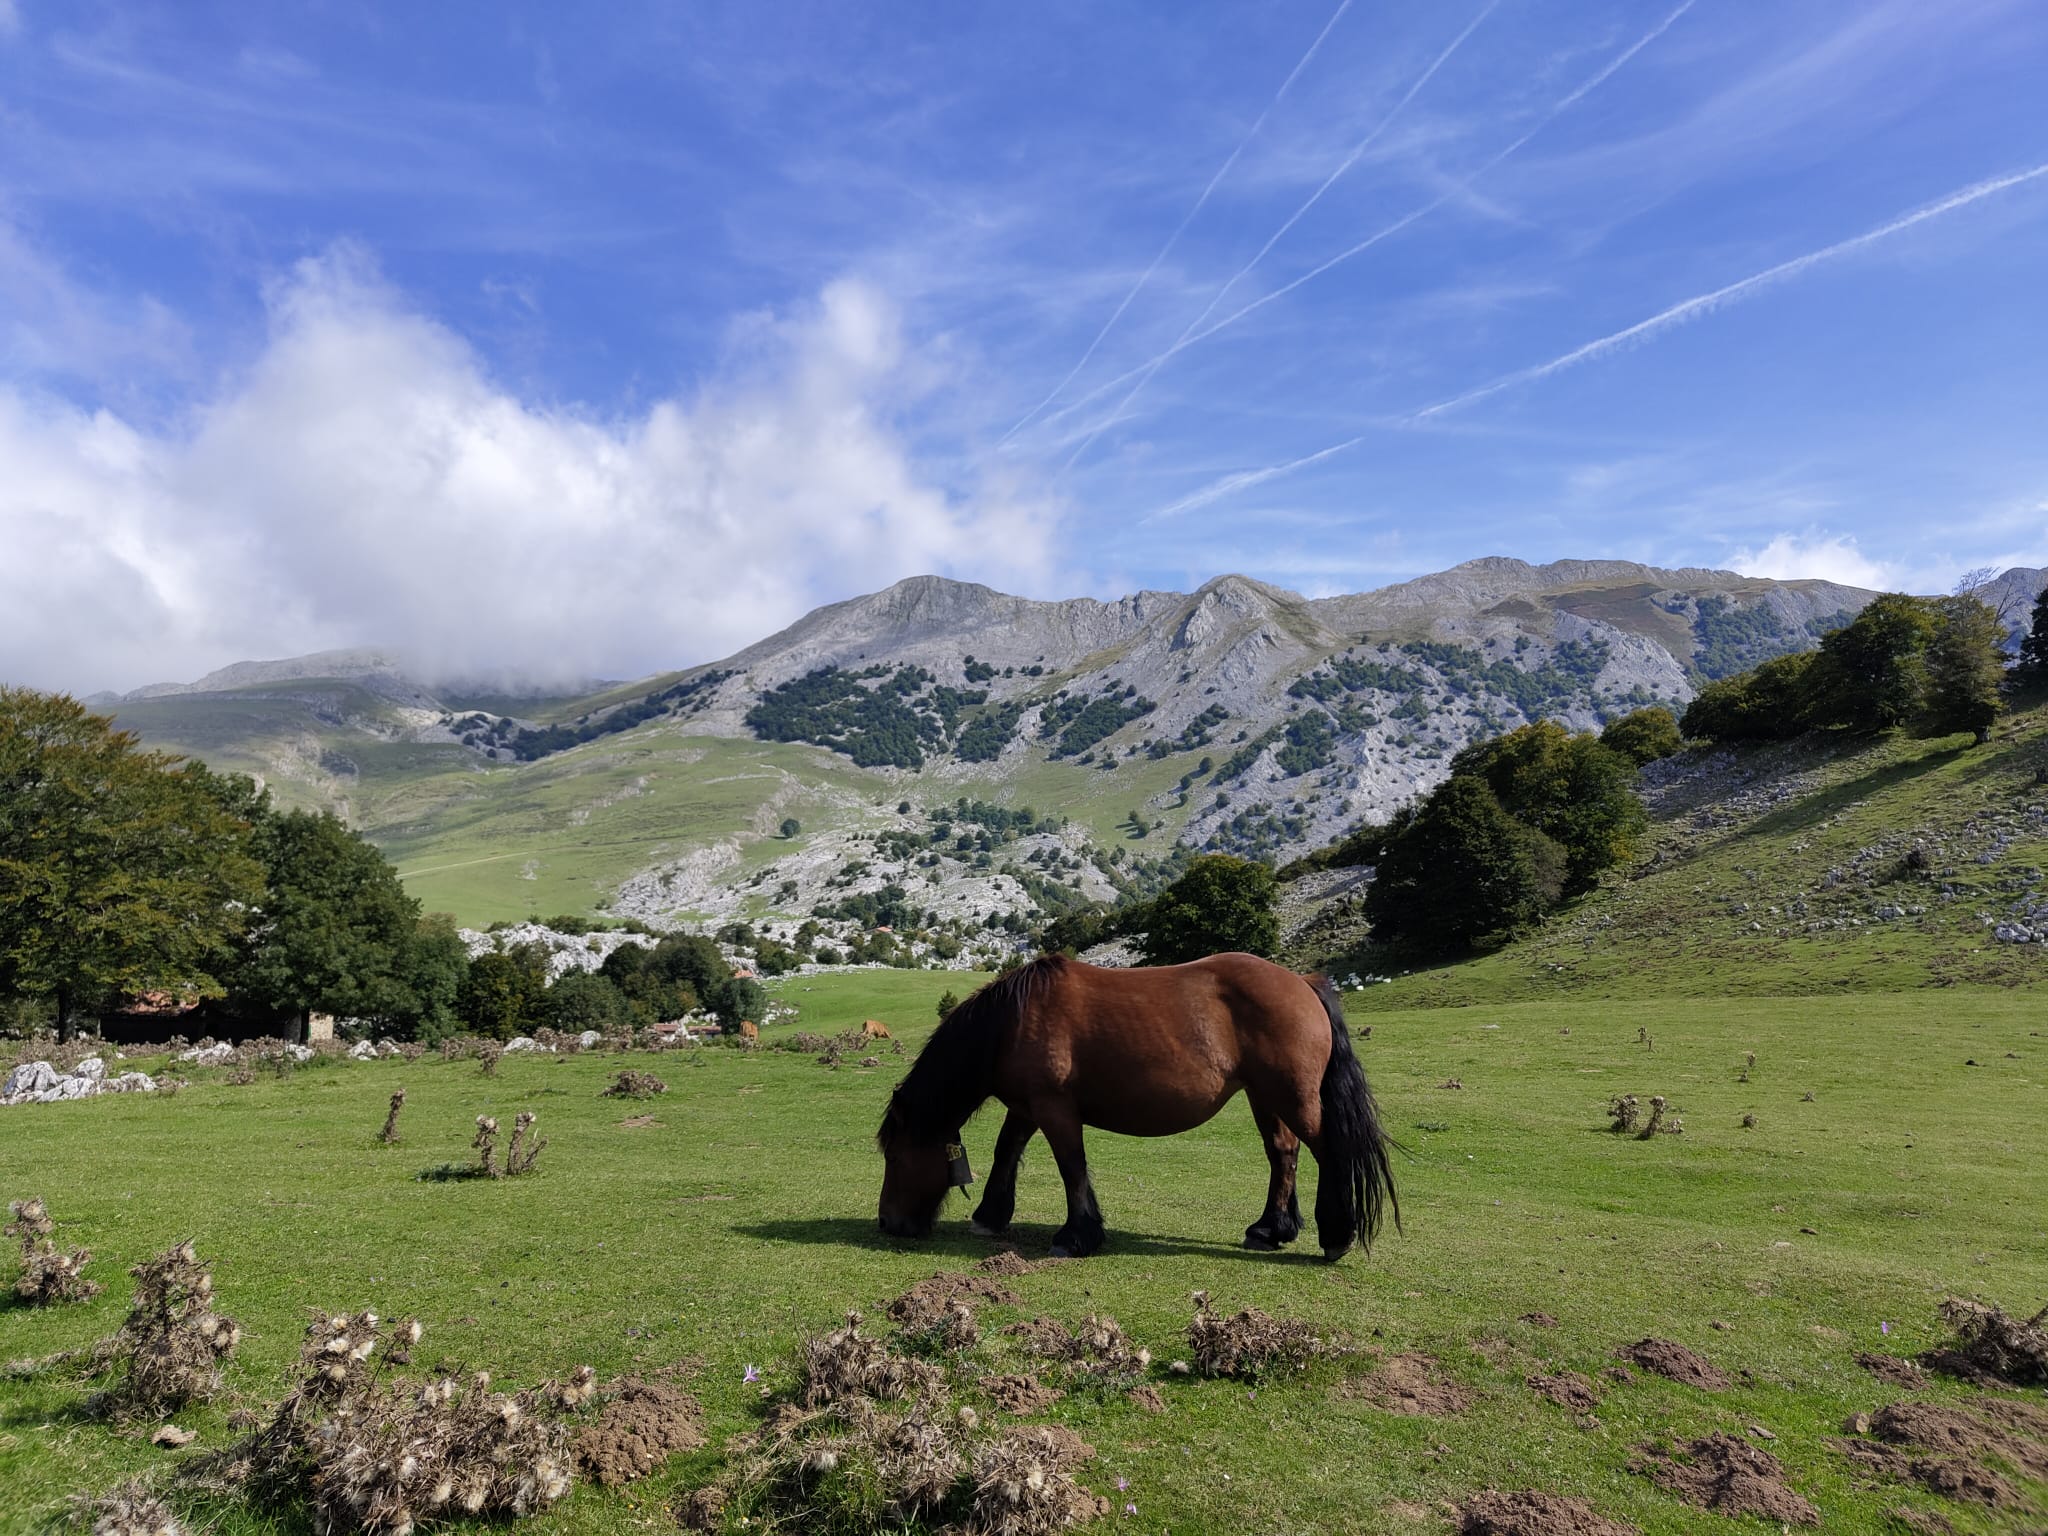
[953, 1074]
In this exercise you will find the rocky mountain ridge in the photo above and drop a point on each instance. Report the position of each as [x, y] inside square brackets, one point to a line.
[1239, 717]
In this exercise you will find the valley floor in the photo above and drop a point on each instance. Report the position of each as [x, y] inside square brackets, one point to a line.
[1894, 1160]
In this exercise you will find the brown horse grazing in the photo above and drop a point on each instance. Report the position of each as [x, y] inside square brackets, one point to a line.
[1145, 1052]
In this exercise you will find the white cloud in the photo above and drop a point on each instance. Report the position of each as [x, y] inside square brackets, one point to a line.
[366, 482]
[1815, 556]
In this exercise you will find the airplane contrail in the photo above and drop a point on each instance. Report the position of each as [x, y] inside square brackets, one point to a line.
[1181, 228]
[1189, 338]
[1357, 151]
[1706, 303]
[1676, 314]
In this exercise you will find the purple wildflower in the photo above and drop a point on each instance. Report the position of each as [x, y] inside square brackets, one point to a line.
[1130, 1509]
[1885, 1329]
[749, 1376]
[1123, 1485]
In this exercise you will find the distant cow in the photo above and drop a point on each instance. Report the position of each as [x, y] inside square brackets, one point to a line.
[875, 1029]
[749, 1030]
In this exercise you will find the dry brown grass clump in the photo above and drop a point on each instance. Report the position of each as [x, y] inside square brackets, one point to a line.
[389, 1134]
[1099, 1348]
[129, 1510]
[631, 1084]
[845, 1363]
[870, 1441]
[169, 1350]
[384, 1456]
[1024, 1484]
[638, 1427]
[1991, 1348]
[1248, 1343]
[49, 1274]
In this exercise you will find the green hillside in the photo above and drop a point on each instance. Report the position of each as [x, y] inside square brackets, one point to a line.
[1811, 867]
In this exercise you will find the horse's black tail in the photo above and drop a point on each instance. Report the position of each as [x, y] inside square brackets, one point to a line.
[1355, 1176]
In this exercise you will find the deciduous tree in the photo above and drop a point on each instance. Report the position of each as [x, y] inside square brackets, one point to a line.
[120, 870]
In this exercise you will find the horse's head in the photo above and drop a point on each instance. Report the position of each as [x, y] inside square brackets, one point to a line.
[915, 1177]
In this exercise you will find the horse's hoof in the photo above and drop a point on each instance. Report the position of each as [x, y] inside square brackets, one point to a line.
[980, 1230]
[1261, 1242]
[1062, 1251]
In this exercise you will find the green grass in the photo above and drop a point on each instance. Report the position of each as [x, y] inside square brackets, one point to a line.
[746, 1215]
[1669, 926]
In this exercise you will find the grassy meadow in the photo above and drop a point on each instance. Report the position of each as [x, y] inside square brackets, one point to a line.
[744, 1216]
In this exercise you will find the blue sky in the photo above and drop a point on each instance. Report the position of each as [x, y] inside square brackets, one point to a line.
[612, 340]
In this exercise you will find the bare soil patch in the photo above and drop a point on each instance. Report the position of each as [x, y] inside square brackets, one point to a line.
[641, 1425]
[1009, 1263]
[1493, 1513]
[1147, 1397]
[1538, 1319]
[1727, 1475]
[1945, 1449]
[1675, 1362]
[1411, 1384]
[1893, 1371]
[928, 1302]
[638, 1122]
[1020, 1394]
[1567, 1389]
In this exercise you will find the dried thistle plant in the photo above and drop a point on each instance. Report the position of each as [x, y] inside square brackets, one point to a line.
[389, 1135]
[1658, 1125]
[128, 1510]
[488, 1054]
[523, 1153]
[170, 1348]
[486, 1147]
[49, 1274]
[1625, 1112]
[1247, 1344]
[631, 1084]
[1748, 1064]
[385, 1456]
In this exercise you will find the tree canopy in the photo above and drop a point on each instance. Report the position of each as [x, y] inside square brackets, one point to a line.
[1220, 904]
[1459, 868]
[121, 870]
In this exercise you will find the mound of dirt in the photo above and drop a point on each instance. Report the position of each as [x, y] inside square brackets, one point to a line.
[1675, 1362]
[926, 1304]
[1493, 1513]
[1892, 1371]
[641, 1425]
[1411, 1384]
[1727, 1475]
[1537, 1319]
[1990, 1348]
[1147, 1398]
[1567, 1389]
[1008, 1262]
[1020, 1394]
[1944, 1449]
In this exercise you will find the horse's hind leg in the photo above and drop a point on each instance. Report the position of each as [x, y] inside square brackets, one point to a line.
[1280, 1223]
[999, 1198]
[1082, 1234]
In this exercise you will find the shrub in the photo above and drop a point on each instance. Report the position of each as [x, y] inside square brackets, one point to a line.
[1644, 735]
[1220, 904]
[49, 1274]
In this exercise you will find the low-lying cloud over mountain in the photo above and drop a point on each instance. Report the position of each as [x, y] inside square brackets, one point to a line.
[365, 480]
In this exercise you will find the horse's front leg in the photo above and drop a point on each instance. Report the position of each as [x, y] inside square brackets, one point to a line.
[1082, 1234]
[999, 1198]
